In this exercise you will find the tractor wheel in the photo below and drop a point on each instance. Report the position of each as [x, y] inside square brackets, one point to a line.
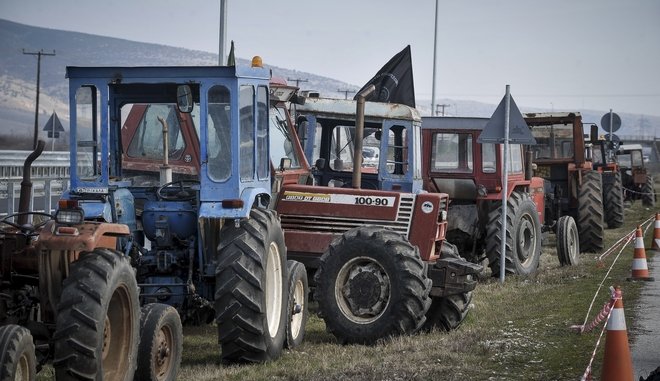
[523, 236]
[17, 358]
[648, 192]
[590, 213]
[568, 241]
[250, 298]
[613, 200]
[98, 320]
[372, 284]
[448, 312]
[296, 304]
[161, 340]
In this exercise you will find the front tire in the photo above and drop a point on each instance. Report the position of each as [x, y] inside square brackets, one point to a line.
[250, 300]
[613, 199]
[568, 241]
[523, 236]
[590, 213]
[98, 320]
[161, 343]
[297, 304]
[17, 358]
[372, 284]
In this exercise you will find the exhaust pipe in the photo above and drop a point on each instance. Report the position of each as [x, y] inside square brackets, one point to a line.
[26, 184]
[359, 135]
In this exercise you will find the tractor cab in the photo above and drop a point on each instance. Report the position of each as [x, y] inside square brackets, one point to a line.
[391, 144]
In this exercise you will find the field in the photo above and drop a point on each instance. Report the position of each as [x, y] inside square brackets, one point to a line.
[519, 330]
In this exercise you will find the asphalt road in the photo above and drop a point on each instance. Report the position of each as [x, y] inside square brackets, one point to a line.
[645, 348]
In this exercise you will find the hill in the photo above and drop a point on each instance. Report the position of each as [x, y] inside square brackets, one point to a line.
[18, 78]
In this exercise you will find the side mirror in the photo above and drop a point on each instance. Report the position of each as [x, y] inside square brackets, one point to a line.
[184, 99]
[594, 134]
[285, 163]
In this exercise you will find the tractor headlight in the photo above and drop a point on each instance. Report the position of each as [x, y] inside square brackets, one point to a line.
[69, 213]
[443, 215]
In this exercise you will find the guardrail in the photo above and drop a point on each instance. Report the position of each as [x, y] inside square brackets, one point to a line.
[49, 176]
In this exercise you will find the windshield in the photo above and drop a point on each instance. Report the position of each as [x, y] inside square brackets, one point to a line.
[554, 141]
[281, 145]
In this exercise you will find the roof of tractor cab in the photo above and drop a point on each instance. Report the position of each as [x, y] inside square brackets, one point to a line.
[345, 109]
[151, 74]
[629, 147]
[453, 123]
[551, 117]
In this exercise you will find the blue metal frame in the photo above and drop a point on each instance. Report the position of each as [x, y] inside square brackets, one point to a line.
[107, 80]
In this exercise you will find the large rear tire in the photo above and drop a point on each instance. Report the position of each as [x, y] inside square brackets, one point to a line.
[523, 236]
[590, 221]
[17, 358]
[250, 297]
[613, 199]
[648, 192]
[372, 284]
[161, 343]
[297, 304]
[98, 320]
[568, 241]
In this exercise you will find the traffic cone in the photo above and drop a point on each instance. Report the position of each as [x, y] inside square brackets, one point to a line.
[655, 245]
[640, 270]
[617, 363]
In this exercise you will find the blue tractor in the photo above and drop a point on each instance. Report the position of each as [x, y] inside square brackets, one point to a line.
[207, 244]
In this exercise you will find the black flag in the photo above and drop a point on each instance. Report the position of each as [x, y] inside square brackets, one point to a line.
[394, 81]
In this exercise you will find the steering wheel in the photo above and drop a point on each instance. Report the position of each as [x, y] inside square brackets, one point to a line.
[28, 228]
[186, 191]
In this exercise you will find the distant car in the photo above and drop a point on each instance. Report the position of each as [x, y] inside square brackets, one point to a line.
[370, 156]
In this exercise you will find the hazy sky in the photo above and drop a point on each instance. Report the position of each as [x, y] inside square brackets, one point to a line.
[558, 54]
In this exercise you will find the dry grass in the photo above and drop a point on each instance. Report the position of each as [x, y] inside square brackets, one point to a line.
[518, 330]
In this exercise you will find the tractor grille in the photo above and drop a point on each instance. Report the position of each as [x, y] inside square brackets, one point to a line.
[339, 225]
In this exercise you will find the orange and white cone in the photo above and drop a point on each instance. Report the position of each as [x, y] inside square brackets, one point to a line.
[640, 269]
[655, 245]
[617, 363]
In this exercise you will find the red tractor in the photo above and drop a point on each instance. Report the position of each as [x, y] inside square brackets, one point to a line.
[471, 173]
[373, 237]
[572, 186]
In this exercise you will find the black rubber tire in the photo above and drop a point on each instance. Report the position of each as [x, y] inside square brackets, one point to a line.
[161, 343]
[568, 241]
[250, 296]
[447, 313]
[523, 236]
[613, 199]
[387, 274]
[296, 304]
[98, 319]
[590, 221]
[18, 361]
[648, 192]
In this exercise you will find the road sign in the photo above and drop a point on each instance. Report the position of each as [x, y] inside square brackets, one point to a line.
[605, 122]
[519, 132]
[54, 126]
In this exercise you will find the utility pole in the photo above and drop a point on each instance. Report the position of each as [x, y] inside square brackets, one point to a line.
[435, 54]
[36, 112]
[443, 106]
[346, 92]
[297, 80]
[222, 43]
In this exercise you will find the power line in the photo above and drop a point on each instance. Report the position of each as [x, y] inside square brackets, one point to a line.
[36, 112]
